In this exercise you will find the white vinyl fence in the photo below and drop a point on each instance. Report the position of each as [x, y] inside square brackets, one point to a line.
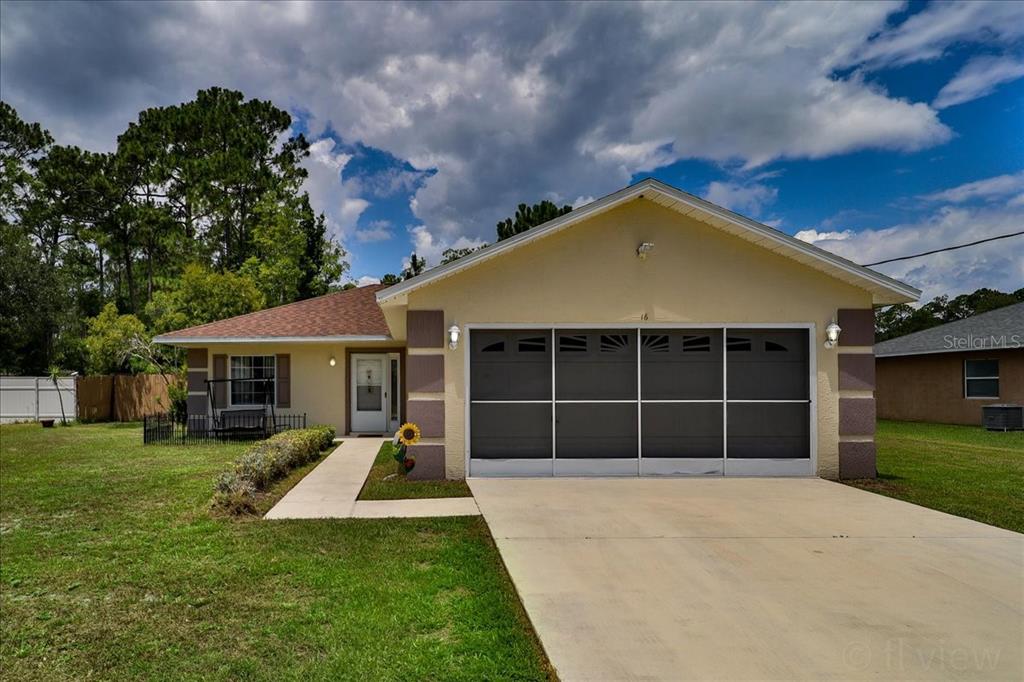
[34, 398]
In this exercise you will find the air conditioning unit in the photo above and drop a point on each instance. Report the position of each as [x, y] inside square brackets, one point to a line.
[1003, 417]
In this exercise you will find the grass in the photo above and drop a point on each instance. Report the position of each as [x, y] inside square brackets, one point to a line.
[962, 470]
[113, 567]
[384, 482]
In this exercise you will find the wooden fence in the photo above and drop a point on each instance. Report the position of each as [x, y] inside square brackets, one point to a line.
[123, 397]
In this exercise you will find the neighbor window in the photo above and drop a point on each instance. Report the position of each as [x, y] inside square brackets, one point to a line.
[252, 380]
[981, 378]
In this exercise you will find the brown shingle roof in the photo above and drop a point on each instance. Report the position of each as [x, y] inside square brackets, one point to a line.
[344, 313]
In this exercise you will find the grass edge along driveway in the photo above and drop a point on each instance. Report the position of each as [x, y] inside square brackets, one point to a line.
[114, 568]
[960, 470]
[384, 482]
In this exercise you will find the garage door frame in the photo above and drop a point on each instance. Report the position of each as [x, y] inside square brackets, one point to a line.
[737, 467]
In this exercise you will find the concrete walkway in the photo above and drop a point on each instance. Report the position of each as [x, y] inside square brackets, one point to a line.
[781, 579]
[330, 491]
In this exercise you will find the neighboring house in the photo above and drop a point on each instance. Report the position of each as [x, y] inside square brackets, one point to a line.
[648, 332]
[946, 374]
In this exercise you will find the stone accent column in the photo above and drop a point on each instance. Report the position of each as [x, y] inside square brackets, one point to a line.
[857, 393]
[198, 372]
[424, 381]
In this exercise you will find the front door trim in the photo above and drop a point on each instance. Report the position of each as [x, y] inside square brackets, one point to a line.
[733, 467]
[373, 350]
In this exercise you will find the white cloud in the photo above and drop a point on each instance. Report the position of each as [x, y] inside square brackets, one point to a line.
[366, 280]
[329, 191]
[813, 236]
[743, 198]
[989, 189]
[999, 265]
[508, 106]
[427, 245]
[979, 77]
[377, 231]
[927, 34]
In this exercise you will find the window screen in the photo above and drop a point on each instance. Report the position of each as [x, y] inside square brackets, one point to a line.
[595, 365]
[510, 365]
[682, 430]
[595, 430]
[981, 378]
[681, 364]
[768, 365]
[768, 430]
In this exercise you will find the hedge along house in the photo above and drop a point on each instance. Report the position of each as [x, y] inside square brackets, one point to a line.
[646, 333]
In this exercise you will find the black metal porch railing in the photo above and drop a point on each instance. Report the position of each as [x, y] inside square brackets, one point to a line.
[201, 428]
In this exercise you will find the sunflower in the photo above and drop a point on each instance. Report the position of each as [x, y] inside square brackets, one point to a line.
[409, 434]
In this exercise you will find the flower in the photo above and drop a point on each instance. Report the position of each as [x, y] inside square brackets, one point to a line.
[409, 434]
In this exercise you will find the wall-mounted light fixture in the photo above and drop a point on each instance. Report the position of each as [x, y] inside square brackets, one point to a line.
[453, 336]
[832, 334]
[332, 362]
[644, 249]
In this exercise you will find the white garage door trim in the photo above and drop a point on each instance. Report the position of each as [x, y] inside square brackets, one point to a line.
[651, 466]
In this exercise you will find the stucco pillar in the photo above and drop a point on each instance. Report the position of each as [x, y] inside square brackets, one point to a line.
[198, 372]
[424, 377]
[857, 393]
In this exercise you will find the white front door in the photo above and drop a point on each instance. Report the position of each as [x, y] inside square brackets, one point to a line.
[375, 396]
[369, 393]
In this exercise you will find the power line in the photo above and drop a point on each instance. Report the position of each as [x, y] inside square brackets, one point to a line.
[948, 248]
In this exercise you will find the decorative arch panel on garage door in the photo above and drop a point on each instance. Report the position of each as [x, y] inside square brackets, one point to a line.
[640, 401]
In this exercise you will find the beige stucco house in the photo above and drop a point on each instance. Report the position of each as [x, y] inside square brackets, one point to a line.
[646, 333]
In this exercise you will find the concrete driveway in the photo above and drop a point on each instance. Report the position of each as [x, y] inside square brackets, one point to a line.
[756, 579]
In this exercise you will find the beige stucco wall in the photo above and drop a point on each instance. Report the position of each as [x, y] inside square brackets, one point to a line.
[590, 273]
[317, 389]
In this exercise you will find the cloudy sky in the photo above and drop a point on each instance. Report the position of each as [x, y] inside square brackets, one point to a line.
[875, 129]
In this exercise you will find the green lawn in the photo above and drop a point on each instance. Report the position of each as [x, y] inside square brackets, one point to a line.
[962, 470]
[113, 568]
[382, 483]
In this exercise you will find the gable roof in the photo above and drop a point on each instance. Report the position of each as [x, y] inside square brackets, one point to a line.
[987, 331]
[884, 289]
[351, 315]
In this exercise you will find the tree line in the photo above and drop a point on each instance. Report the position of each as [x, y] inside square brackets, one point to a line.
[198, 214]
[902, 319]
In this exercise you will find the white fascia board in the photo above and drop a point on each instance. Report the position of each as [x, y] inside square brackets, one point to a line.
[208, 340]
[650, 185]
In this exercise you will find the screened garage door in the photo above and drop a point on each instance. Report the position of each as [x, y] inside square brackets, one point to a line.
[639, 402]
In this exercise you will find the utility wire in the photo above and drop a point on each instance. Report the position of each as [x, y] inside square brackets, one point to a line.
[948, 248]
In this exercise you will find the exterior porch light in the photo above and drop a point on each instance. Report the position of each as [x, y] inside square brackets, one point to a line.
[453, 336]
[832, 334]
[332, 362]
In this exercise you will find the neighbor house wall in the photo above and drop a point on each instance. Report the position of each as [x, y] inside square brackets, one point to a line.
[316, 389]
[930, 388]
[590, 273]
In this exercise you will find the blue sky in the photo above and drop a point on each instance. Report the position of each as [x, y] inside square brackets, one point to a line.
[871, 129]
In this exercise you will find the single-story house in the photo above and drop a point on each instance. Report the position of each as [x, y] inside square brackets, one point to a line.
[946, 374]
[649, 332]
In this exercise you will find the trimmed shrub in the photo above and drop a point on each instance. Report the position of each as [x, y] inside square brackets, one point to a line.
[265, 462]
[327, 435]
[234, 494]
